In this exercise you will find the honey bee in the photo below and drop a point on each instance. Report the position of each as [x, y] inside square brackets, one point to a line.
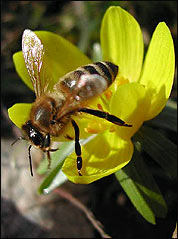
[53, 109]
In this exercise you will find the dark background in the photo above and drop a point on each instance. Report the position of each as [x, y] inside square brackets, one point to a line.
[79, 22]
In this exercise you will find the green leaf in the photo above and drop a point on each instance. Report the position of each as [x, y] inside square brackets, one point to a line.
[161, 149]
[57, 159]
[122, 42]
[53, 180]
[167, 119]
[142, 190]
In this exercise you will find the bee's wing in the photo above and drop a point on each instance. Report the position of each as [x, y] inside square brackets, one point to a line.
[33, 52]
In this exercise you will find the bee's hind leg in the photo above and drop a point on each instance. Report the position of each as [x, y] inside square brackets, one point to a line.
[105, 115]
[77, 147]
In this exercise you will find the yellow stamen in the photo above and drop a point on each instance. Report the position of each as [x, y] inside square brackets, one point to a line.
[100, 107]
[112, 128]
[122, 80]
[91, 131]
[108, 94]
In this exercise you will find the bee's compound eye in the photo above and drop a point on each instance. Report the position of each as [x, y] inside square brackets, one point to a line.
[33, 134]
[36, 138]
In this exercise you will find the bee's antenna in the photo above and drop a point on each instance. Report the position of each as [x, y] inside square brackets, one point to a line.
[19, 138]
[30, 159]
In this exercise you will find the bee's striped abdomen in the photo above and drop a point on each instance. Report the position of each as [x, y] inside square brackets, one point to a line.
[114, 68]
[88, 81]
[91, 69]
[103, 68]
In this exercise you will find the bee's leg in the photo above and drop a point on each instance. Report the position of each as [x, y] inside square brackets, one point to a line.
[46, 144]
[77, 147]
[104, 115]
[53, 150]
[68, 137]
[30, 159]
[49, 158]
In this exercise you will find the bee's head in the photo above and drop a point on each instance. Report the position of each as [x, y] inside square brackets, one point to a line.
[38, 139]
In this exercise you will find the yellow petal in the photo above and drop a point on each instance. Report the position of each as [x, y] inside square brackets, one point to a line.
[102, 156]
[130, 103]
[122, 42]
[158, 70]
[19, 113]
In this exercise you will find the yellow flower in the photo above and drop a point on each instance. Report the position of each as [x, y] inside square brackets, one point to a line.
[138, 94]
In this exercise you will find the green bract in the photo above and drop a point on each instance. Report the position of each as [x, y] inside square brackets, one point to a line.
[138, 94]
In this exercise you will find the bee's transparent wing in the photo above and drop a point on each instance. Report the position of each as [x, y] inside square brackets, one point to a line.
[33, 52]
